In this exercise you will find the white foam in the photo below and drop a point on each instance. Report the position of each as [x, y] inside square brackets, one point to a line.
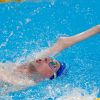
[79, 94]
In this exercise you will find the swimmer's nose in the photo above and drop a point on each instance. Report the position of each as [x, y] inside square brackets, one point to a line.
[46, 60]
[39, 60]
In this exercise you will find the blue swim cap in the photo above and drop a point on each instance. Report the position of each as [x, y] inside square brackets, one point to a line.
[60, 70]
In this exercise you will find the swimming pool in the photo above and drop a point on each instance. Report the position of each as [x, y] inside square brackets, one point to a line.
[26, 28]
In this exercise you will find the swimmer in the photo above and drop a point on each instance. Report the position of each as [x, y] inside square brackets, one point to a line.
[44, 67]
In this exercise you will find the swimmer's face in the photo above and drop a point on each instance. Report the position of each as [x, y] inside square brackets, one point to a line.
[42, 66]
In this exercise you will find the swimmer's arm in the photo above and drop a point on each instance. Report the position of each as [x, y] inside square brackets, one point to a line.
[12, 79]
[65, 42]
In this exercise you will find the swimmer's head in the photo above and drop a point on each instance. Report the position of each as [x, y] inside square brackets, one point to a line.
[41, 66]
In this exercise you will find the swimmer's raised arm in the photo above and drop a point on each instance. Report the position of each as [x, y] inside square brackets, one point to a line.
[14, 80]
[65, 42]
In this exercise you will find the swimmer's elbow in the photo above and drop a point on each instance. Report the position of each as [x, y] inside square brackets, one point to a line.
[66, 41]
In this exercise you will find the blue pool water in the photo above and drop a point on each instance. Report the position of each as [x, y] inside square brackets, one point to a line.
[28, 27]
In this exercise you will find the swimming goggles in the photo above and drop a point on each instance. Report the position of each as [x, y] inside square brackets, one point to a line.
[53, 65]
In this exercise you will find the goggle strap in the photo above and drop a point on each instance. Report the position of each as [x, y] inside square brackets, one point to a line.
[55, 75]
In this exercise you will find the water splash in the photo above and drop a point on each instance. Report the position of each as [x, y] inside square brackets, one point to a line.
[80, 94]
